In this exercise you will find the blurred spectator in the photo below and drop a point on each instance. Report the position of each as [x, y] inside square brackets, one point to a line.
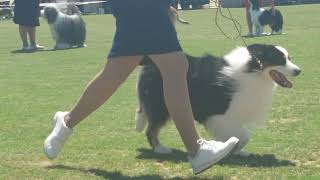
[26, 15]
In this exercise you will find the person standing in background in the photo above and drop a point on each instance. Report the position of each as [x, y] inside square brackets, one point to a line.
[26, 15]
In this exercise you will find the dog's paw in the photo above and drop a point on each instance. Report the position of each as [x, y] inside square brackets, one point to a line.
[242, 154]
[62, 46]
[82, 46]
[160, 149]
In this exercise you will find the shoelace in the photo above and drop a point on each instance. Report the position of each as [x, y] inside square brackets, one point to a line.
[209, 144]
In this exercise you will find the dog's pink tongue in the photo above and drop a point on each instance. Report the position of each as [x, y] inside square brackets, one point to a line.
[280, 79]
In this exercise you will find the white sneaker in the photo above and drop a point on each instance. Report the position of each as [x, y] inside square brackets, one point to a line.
[211, 152]
[60, 133]
[35, 47]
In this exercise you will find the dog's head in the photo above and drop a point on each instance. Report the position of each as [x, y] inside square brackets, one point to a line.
[50, 13]
[274, 62]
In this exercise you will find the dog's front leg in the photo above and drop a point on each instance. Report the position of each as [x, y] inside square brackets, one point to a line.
[244, 136]
[259, 30]
[223, 129]
[61, 45]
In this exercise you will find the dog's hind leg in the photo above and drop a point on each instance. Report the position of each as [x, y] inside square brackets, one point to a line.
[259, 30]
[141, 119]
[60, 46]
[152, 135]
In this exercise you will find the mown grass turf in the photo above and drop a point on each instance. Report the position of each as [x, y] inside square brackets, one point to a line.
[105, 146]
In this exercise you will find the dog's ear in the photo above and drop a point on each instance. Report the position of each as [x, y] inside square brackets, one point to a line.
[257, 52]
[260, 56]
[263, 55]
[254, 65]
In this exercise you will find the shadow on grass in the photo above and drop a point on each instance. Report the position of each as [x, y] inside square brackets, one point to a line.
[254, 160]
[18, 51]
[176, 155]
[119, 176]
[263, 35]
[266, 160]
[257, 160]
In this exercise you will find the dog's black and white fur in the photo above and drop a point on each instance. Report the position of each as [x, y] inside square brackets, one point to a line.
[67, 30]
[228, 94]
[261, 17]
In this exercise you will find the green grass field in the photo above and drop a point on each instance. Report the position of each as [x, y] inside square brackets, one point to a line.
[105, 146]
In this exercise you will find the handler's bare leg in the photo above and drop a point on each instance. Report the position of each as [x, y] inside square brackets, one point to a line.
[32, 37]
[249, 23]
[173, 68]
[103, 85]
[23, 34]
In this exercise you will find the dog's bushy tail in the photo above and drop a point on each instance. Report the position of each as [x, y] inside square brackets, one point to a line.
[141, 120]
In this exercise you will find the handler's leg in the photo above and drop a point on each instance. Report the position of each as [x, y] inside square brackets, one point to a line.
[249, 23]
[23, 35]
[32, 37]
[173, 68]
[103, 85]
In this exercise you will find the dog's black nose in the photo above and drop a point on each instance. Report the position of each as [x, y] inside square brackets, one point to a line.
[296, 72]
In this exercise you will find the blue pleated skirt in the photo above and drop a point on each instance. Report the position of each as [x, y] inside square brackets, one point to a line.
[143, 27]
[26, 12]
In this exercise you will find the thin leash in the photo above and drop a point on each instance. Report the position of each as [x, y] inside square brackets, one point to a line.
[237, 26]
[236, 23]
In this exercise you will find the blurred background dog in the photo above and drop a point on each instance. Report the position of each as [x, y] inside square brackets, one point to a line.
[66, 24]
[261, 17]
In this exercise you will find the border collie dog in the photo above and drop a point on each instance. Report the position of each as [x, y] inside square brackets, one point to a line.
[67, 30]
[229, 95]
[261, 17]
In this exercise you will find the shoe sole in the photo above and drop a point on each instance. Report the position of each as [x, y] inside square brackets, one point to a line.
[209, 165]
[45, 152]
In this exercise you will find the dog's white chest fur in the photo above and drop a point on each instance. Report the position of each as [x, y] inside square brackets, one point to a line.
[253, 94]
[248, 107]
[251, 101]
